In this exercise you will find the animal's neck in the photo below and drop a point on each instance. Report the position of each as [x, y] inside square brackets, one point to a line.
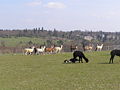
[33, 47]
[61, 46]
[43, 48]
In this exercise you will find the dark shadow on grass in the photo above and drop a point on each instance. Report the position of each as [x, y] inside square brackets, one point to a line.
[107, 63]
[69, 63]
[104, 63]
[74, 63]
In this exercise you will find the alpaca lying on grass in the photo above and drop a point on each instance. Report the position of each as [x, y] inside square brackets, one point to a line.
[72, 60]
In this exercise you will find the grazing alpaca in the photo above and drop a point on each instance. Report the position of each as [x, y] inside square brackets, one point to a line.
[40, 50]
[99, 48]
[80, 55]
[29, 50]
[58, 49]
[73, 48]
[113, 54]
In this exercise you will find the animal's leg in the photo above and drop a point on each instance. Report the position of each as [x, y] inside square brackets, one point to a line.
[37, 53]
[26, 53]
[98, 49]
[80, 59]
[111, 59]
[30, 53]
[51, 51]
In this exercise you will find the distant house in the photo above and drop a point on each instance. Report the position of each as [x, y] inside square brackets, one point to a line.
[117, 37]
[89, 38]
[111, 36]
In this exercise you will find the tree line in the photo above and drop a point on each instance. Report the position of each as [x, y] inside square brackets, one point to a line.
[75, 35]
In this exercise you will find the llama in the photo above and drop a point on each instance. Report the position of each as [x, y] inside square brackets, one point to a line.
[99, 48]
[80, 55]
[58, 49]
[50, 50]
[29, 50]
[89, 48]
[114, 53]
[41, 50]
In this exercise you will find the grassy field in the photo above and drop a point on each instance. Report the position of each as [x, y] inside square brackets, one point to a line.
[47, 72]
[24, 40]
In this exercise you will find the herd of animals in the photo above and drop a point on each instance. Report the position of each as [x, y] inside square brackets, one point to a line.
[42, 50]
[80, 54]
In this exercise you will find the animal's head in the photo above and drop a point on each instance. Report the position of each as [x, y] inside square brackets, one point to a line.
[86, 60]
[66, 61]
[33, 47]
[44, 47]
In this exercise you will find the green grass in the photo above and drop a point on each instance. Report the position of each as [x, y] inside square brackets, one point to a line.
[23, 41]
[16, 41]
[47, 72]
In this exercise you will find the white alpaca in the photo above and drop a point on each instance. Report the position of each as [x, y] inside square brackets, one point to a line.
[40, 50]
[58, 49]
[99, 48]
[29, 50]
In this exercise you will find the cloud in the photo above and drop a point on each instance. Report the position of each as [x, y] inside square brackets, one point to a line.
[55, 5]
[35, 3]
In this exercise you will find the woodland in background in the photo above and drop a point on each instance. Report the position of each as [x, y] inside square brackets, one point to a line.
[56, 37]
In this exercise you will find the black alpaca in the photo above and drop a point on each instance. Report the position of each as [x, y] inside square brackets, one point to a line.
[35, 51]
[72, 60]
[80, 55]
[113, 54]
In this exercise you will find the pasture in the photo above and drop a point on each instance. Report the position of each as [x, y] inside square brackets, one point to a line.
[21, 41]
[47, 72]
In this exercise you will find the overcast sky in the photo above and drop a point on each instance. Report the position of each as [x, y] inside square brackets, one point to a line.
[61, 14]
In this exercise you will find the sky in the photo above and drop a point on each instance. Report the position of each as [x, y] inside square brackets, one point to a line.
[65, 15]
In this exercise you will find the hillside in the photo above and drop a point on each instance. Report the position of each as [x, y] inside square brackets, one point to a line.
[76, 35]
[15, 40]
